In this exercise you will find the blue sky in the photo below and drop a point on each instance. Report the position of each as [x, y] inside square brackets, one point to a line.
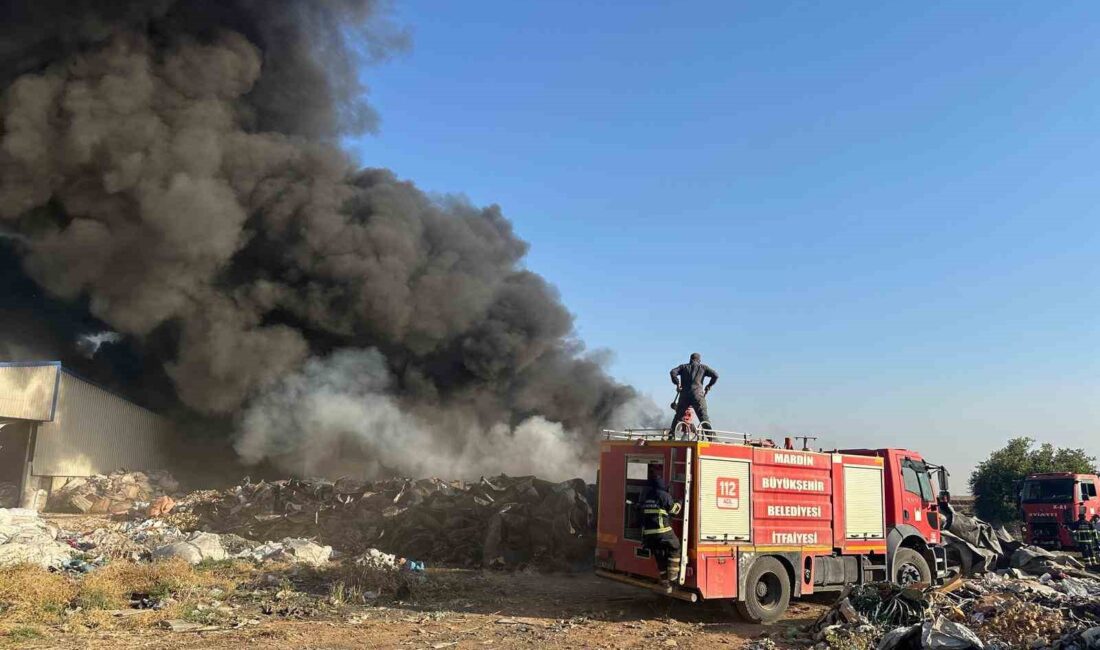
[876, 220]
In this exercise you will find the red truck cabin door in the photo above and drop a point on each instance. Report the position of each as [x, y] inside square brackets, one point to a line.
[918, 501]
[1090, 502]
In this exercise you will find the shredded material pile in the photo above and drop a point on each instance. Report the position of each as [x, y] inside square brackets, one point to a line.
[1003, 610]
[497, 522]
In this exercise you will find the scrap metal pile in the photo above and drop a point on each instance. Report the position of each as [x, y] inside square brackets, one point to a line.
[1026, 598]
[495, 522]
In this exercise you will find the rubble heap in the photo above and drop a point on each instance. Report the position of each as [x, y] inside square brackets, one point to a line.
[1042, 600]
[977, 546]
[115, 493]
[132, 540]
[498, 522]
[24, 537]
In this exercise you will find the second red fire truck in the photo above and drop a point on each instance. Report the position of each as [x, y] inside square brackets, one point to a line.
[1051, 503]
[760, 524]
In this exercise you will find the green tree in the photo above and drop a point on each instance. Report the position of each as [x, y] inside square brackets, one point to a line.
[993, 481]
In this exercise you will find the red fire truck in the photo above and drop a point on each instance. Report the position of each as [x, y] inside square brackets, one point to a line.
[1050, 502]
[760, 524]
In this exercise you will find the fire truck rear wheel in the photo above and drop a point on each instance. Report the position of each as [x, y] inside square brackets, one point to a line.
[910, 567]
[767, 592]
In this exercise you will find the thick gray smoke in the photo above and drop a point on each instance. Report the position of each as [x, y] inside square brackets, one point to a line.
[337, 416]
[169, 167]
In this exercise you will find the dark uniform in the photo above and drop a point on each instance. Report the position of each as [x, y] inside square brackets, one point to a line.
[656, 507]
[1087, 540]
[688, 379]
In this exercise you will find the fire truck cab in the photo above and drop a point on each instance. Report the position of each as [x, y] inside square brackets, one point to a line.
[760, 524]
[1050, 503]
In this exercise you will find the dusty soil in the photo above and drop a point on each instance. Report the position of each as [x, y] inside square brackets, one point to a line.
[480, 610]
[285, 607]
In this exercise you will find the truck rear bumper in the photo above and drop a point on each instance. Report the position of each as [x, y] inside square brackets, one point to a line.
[678, 593]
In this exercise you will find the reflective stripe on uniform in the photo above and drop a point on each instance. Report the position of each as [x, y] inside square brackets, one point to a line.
[657, 531]
[656, 511]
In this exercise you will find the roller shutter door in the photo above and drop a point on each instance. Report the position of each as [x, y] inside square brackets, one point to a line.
[863, 508]
[725, 500]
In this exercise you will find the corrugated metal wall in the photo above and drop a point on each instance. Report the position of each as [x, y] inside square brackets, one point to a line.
[96, 432]
[27, 390]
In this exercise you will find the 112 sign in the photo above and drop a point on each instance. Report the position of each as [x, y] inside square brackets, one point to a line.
[729, 493]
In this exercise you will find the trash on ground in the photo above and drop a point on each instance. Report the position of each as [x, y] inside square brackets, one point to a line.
[25, 537]
[1011, 596]
[496, 522]
[115, 493]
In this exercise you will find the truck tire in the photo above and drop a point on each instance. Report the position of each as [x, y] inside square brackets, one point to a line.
[910, 567]
[767, 592]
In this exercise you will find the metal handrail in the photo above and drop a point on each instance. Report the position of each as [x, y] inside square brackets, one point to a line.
[702, 434]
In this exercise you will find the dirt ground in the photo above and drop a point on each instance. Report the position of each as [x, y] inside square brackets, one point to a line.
[291, 607]
[480, 610]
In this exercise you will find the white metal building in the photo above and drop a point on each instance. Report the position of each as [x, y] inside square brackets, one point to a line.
[55, 425]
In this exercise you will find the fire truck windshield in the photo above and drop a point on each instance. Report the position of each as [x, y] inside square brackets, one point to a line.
[915, 475]
[1051, 490]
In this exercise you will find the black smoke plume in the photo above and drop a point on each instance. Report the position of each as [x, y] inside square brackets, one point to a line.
[169, 171]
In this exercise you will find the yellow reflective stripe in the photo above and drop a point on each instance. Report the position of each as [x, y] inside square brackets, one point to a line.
[655, 511]
[657, 531]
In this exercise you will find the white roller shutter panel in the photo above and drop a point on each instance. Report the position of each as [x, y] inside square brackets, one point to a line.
[719, 524]
[863, 508]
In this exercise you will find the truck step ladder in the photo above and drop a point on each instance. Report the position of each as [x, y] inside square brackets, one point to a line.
[940, 570]
[681, 475]
[873, 568]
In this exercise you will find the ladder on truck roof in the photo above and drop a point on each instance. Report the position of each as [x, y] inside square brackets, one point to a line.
[699, 435]
[657, 435]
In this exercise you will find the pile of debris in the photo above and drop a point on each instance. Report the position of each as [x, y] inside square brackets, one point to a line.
[976, 546]
[131, 540]
[1042, 600]
[497, 522]
[116, 493]
[199, 547]
[25, 537]
[156, 539]
[494, 522]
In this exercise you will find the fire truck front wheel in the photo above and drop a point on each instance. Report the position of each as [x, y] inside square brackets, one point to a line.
[767, 592]
[910, 567]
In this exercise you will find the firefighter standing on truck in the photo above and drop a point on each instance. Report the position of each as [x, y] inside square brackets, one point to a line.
[656, 507]
[688, 379]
